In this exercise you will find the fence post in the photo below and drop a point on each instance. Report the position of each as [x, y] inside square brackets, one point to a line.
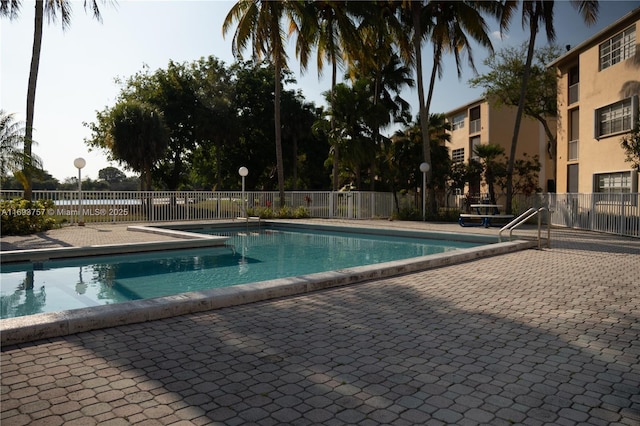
[331, 208]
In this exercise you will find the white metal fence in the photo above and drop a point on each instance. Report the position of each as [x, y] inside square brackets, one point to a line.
[611, 213]
[159, 206]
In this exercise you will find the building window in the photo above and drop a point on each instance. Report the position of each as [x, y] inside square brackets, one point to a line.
[458, 122]
[616, 118]
[574, 134]
[618, 48]
[614, 183]
[457, 155]
[473, 142]
[574, 85]
[572, 178]
[474, 119]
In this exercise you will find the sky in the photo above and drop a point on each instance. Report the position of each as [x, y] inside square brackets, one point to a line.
[79, 66]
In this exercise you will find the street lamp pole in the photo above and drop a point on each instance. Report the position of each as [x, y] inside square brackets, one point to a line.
[243, 171]
[79, 163]
[424, 168]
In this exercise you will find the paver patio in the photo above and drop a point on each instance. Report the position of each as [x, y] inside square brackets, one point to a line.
[535, 337]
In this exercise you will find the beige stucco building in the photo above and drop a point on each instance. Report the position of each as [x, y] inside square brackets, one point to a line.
[480, 122]
[598, 90]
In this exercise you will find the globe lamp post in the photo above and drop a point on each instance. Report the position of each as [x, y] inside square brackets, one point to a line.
[243, 172]
[79, 163]
[424, 168]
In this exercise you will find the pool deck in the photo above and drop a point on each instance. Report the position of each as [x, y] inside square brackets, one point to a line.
[529, 337]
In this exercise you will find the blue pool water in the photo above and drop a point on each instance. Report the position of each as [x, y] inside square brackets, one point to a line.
[56, 285]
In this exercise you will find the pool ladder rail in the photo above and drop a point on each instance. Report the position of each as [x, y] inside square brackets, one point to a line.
[523, 218]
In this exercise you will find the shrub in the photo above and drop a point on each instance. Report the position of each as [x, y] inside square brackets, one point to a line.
[261, 212]
[23, 217]
[285, 212]
[301, 212]
[407, 213]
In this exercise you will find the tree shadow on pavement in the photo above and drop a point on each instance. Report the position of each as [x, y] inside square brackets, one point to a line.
[473, 343]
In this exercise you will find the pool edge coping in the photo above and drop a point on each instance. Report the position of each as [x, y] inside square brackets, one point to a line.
[57, 324]
[182, 240]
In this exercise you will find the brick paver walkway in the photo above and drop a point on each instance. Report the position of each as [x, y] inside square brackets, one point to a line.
[536, 337]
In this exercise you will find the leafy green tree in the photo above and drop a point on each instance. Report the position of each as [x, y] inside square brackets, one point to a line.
[133, 133]
[111, 175]
[458, 177]
[301, 146]
[534, 14]
[491, 157]
[51, 9]
[502, 85]
[631, 145]
[173, 92]
[216, 116]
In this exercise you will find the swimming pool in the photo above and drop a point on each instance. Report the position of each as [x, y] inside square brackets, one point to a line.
[27, 328]
[250, 255]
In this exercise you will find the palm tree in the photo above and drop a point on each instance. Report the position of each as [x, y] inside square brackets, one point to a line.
[11, 141]
[537, 13]
[260, 24]
[439, 135]
[446, 25]
[328, 26]
[488, 155]
[351, 107]
[51, 9]
[378, 62]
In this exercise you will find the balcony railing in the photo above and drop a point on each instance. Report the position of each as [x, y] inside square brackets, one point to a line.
[574, 93]
[474, 126]
[573, 150]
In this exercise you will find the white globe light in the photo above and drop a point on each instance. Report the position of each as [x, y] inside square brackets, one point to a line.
[79, 162]
[243, 171]
[424, 167]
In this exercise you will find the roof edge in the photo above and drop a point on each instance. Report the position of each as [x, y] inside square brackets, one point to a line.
[580, 47]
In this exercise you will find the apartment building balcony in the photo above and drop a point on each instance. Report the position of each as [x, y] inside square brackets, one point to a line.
[574, 93]
[474, 126]
[573, 150]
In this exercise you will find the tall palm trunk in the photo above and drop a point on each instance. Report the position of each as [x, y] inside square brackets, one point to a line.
[423, 107]
[533, 31]
[279, 163]
[336, 146]
[27, 168]
[433, 205]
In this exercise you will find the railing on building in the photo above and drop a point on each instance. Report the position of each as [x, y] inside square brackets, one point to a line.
[602, 212]
[573, 150]
[474, 126]
[574, 93]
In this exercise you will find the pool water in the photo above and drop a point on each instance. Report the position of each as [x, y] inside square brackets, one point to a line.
[56, 285]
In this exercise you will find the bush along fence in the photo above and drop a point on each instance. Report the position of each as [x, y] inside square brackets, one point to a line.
[611, 213]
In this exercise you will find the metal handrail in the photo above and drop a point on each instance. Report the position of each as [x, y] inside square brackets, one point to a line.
[523, 218]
